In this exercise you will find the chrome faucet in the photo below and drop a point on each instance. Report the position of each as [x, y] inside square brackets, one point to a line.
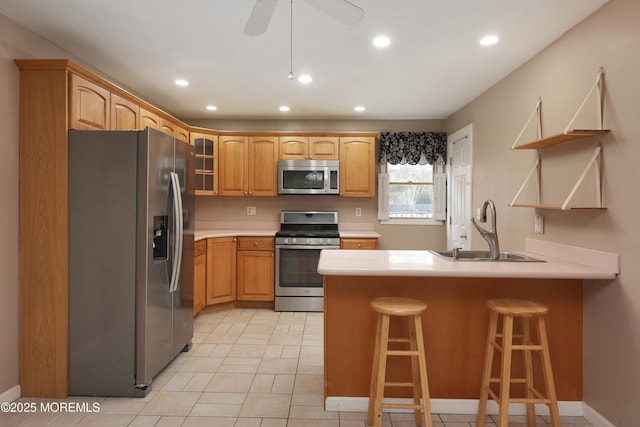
[491, 235]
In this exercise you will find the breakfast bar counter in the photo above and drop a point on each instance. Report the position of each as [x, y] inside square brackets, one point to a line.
[456, 321]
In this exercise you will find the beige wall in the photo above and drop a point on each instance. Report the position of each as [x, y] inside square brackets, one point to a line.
[562, 74]
[268, 208]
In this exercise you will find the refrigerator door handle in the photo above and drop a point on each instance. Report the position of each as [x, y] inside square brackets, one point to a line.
[179, 232]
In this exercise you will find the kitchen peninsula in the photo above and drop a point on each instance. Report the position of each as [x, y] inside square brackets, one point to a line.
[456, 320]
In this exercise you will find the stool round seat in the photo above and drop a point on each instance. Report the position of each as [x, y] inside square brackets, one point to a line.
[398, 306]
[517, 307]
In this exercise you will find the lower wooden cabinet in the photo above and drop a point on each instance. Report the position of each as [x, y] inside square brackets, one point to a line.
[350, 243]
[199, 276]
[221, 270]
[256, 269]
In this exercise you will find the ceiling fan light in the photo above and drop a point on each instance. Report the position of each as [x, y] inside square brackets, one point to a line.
[304, 79]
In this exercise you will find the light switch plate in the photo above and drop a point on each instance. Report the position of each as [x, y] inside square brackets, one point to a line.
[251, 210]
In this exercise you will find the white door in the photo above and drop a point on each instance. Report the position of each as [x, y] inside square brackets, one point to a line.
[459, 147]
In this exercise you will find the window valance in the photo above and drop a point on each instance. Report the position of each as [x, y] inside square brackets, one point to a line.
[412, 147]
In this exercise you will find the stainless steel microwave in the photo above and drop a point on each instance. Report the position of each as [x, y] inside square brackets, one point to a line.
[308, 177]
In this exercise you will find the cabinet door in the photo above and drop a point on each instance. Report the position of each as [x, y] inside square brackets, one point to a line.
[89, 107]
[168, 127]
[368, 243]
[182, 134]
[199, 283]
[324, 148]
[256, 275]
[263, 166]
[233, 164]
[221, 270]
[206, 163]
[147, 118]
[357, 166]
[124, 113]
[294, 147]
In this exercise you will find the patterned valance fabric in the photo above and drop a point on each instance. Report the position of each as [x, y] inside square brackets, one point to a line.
[414, 148]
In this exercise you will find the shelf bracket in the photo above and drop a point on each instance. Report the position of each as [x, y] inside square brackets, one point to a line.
[595, 162]
[536, 113]
[536, 168]
[598, 88]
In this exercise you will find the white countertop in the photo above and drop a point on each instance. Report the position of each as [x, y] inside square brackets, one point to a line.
[210, 234]
[424, 263]
[239, 232]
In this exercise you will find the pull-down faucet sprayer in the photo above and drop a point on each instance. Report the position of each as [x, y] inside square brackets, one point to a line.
[491, 235]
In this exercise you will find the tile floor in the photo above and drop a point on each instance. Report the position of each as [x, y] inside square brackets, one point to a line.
[247, 368]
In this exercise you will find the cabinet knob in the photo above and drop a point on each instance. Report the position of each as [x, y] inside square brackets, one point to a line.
[359, 245]
[255, 243]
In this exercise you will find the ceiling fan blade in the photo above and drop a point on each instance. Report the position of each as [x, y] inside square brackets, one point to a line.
[260, 16]
[342, 10]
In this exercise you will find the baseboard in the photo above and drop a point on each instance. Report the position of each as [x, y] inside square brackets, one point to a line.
[454, 406]
[594, 418]
[10, 395]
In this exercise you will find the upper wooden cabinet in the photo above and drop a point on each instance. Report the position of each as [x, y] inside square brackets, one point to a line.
[263, 166]
[148, 118]
[357, 166]
[89, 104]
[206, 163]
[124, 113]
[182, 134]
[248, 165]
[309, 147]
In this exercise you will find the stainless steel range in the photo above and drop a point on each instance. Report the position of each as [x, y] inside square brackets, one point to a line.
[301, 237]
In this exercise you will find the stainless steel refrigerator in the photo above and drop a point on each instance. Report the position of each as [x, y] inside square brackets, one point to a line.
[131, 214]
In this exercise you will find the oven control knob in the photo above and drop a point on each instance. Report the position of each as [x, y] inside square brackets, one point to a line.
[293, 241]
[328, 241]
[308, 241]
[286, 241]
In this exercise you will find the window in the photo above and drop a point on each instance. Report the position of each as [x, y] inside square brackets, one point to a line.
[410, 191]
[412, 194]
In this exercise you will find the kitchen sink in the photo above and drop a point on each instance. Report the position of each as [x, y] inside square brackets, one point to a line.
[477, 256]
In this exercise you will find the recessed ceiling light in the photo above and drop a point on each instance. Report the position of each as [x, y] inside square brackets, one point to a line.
[212, 107]
[359, 108]
[381, 41]
[284, 108]
[489, 40]
[181, 82]
[305, 78]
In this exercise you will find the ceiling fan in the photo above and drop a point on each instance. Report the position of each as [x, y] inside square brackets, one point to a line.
[342, 10]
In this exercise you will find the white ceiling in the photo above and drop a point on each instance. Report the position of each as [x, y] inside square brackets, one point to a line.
[433, 67]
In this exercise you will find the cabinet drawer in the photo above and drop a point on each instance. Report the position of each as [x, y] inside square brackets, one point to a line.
[200, 248]
[358, 243]
[255, 243]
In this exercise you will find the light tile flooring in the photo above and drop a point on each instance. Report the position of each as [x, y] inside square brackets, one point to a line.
[247, 368]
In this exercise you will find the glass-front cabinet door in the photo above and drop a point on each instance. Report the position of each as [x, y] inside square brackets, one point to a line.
[206, 163]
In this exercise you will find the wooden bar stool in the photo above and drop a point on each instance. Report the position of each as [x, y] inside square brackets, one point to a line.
[404, 307]
[526, 311]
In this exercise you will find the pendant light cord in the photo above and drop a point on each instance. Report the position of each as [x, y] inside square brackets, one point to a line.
[291, 44]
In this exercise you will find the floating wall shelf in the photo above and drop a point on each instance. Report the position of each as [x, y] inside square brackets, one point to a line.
[568, 136]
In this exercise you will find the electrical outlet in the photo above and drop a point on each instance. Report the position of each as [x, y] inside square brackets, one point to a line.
[358, 211]
[538, 224]
[251, 210]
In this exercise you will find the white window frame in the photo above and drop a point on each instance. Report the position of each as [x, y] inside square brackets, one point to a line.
[439, 195]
